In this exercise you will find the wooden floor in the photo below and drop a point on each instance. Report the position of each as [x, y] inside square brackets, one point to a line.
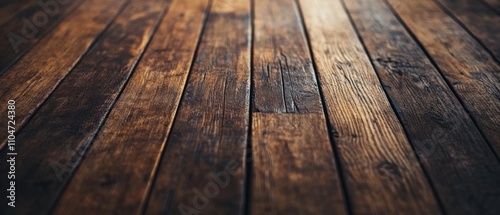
[251, 106]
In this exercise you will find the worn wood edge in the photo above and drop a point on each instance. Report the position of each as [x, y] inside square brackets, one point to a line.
[53, 155]
[489, 41]
[411, 172]
[481, 75]
[235, 15]
[152, 53]
[463, 130]
[283, 75]
[46, 29]
[32, 57]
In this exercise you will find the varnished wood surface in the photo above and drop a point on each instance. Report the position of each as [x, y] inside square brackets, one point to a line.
[253, 106]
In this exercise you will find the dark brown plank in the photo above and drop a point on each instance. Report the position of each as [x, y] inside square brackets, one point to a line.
[466, 65]
[28, 26]
[293, 156]
[31, 80]
[458, 160]
[203, 164]
[382, 174]
[69, 119]
[294, 169]
[494, 4]
[9, 9]
[117, 171]
[284, 80]
[478, 19]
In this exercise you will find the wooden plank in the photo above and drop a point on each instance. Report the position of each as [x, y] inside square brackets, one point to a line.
[202, 169]
[294, 168]
[494, 4]
[69, 119]
[478, 19]
[456, 157]
[31, 80]
[467, 66]
[9, 9]
[382, 174]
[120, 165]
[30, 25]
[284, 80]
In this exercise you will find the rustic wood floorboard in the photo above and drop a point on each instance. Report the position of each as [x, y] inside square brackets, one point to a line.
[250, 107]
[494, 4]
[145, 108]
[203, 165]
[449, 145]
[32, 79]
[374, 152]
[28, 26]
[294, 171]
[479, 20]
[10, 8]
[293, 157]
[283, 77]
[471, 70]
[115, 54]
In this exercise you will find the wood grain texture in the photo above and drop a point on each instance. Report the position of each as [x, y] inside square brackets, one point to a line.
[28, 26]
[467, 66]
[9, 9]
[494, 4]
[294, 168]
[480, 20]
[55, 139]
[382, 174]
[123, 158]
[284, 80]
[458, 160]
[202, 169]
[31, 80]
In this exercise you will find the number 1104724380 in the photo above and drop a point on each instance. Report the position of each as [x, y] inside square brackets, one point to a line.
[11, 123]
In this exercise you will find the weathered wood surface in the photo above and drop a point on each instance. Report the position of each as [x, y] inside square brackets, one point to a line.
[75, 119]
[292, 155]
[493, 4]
[67, 122]
[28, 26]
[31, 80]
[146, 108]
[468, 67]
[9, 9]
[294, 168]
[203, 167]
[382, 173]
[439, 128]
[479, 20]
[254, 107]
[283, 74]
